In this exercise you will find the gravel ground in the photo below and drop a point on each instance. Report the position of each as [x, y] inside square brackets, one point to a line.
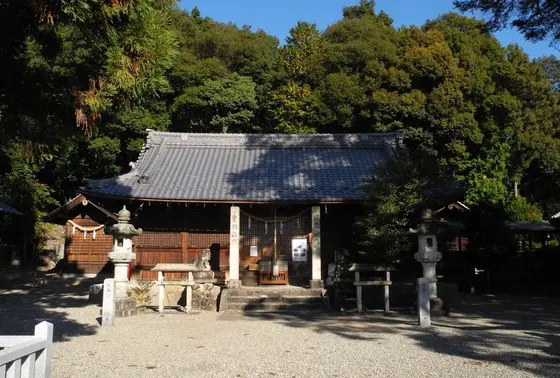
[493, 337]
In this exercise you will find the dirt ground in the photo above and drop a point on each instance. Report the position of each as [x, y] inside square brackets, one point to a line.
[503, 336]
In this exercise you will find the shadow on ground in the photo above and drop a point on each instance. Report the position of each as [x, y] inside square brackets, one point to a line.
[22, 306]
[520, 332]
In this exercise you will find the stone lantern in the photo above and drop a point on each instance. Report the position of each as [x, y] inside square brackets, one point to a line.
[122, 256]
[428, 254]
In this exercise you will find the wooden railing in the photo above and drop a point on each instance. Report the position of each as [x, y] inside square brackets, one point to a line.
[27, 356]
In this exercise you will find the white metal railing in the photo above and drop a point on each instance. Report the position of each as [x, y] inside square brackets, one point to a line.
[27, 356]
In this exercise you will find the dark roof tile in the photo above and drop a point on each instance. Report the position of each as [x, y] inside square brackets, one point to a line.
[250, 167]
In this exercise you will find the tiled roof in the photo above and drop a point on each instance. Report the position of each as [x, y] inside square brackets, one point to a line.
[250, 167]
[7, 209]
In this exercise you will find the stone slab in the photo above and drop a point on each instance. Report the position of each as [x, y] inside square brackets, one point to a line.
[108, 317]
[176, 268]
[423, 302]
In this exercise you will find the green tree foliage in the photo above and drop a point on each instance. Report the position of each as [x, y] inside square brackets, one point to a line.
[551, 66]
[476, 113]
[218, 105]
[535, 19]
[393, 197]
[519, 209]
[91, 64]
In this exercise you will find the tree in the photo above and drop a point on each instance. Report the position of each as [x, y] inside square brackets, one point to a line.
[76, 63]
[551, 66]
[535, 19]
[226, 104]
[393, 198]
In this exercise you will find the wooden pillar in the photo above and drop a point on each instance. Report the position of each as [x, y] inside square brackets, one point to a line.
[184, 248]
[234, 221]
[316, 281]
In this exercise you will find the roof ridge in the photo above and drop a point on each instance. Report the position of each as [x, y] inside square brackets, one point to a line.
[273, 140]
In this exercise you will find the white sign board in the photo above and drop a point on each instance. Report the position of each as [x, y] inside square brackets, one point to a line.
[108, 317]
[299, 250]
[254, 251]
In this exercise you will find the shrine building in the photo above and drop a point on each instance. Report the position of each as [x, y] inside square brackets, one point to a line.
[259, 202]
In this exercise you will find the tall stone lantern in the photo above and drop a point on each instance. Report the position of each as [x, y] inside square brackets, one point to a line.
[428, 254]
[122, 256]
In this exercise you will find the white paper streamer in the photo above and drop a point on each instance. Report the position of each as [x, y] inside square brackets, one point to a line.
[94, 234]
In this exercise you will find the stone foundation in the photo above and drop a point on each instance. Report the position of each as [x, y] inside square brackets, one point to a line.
[125, 307]
[316, 284]
[205, 297]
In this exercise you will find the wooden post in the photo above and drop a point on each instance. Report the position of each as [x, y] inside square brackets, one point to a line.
[184, 247]
[359, 293]
[43, 362]
[14, 369]
[28, 366]
[161, 293]
[386, 291]
[188, 292]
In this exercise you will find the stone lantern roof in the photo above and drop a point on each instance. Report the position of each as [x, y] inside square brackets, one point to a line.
[123, 228]
[428, 225]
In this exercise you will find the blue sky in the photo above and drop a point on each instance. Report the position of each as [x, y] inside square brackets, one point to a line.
[276, 17]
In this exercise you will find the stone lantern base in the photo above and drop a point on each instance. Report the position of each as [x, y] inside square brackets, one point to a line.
[437, 307]
[125, 307]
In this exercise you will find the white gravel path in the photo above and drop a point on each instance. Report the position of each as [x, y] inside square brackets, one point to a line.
[506, 337]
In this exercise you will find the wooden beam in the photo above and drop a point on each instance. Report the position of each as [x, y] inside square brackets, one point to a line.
[184, 248]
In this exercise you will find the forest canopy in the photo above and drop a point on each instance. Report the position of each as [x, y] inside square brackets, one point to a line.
[83, 80]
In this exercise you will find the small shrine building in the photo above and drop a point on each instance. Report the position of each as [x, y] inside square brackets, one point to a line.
[254, 200]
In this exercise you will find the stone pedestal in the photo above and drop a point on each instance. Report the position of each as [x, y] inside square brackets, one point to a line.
[121, 274]
[205, 275]
[429, 261]
[205, 297]
[316, 284]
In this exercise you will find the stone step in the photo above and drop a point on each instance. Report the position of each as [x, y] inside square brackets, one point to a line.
[247, 292]
[276, 306]
[275, 299]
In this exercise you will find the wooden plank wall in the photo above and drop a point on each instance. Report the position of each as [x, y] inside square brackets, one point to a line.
[153, 247]
[88, 256]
